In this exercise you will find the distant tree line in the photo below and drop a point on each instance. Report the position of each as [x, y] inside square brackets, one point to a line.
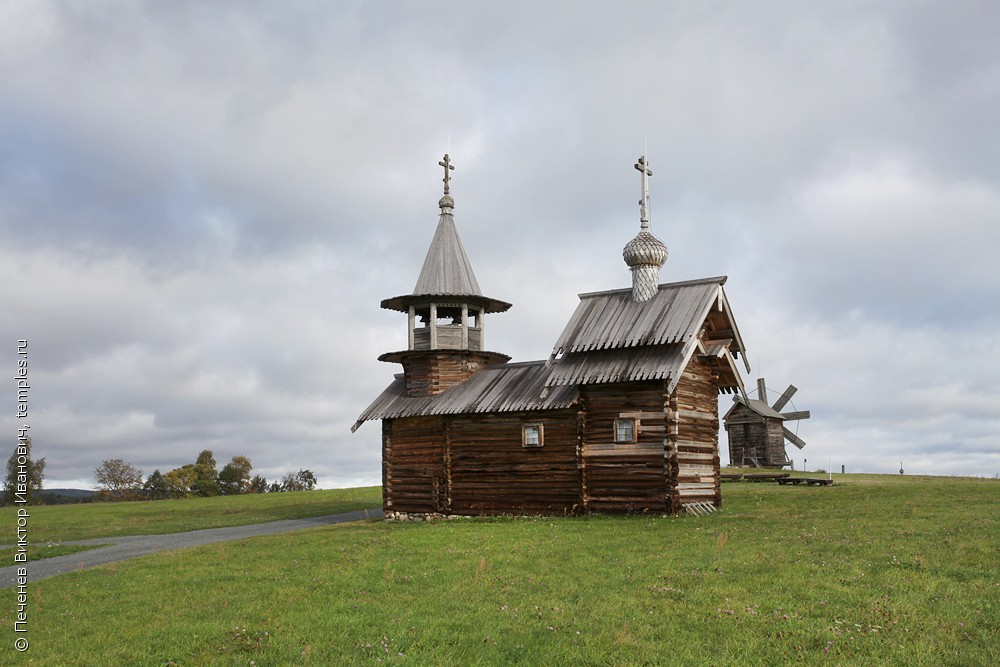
[120, 480]
[24, 475]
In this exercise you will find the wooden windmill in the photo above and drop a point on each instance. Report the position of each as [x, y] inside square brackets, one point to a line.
[757, 431]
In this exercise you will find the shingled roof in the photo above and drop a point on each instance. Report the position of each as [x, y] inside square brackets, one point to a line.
[655, 362]
[447, 272]
[610, 320]
[611, 338]
[500, 388]
[447, 269]
[760, 407]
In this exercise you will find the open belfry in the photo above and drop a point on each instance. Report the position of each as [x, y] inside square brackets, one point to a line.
[622, 417]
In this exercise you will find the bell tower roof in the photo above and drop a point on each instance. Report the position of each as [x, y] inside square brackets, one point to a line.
[447, 271]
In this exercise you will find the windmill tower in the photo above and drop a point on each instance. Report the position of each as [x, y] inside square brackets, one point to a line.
[757, 431]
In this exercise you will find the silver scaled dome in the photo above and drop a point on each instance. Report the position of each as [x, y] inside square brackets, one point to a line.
[645, 250]
[645, 254]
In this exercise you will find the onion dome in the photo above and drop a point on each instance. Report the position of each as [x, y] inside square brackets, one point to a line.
[645, 250]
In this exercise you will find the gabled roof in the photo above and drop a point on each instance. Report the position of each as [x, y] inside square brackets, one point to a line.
[611, 338]
[500, 388]
[718, 355]
[611, 320]
[760, 407]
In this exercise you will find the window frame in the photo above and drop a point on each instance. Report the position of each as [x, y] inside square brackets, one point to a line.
[540, 427]
[634, 430]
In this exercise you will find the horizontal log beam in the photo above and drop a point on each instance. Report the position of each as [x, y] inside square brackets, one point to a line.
[693, 456]
[641, 415]
[647, 453]
[695, 444]
[694, 414]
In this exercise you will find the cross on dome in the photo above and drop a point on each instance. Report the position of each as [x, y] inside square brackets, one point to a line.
[644, 254]
[643, 167]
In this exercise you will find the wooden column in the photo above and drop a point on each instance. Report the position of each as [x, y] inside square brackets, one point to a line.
[481, 321]
[434, 324]
[465, 326]
[410, 335]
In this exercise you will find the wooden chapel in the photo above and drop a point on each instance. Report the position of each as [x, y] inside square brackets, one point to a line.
[622, 417]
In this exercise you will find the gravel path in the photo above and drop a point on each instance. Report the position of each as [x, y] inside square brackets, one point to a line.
[121, 548]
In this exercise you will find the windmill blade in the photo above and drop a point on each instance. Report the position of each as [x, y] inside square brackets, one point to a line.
[761, 391]
[795, 416]
[784, 398]
[792, 438]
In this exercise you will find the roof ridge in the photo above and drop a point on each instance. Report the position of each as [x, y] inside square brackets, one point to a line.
[532, 362]
[682, 283]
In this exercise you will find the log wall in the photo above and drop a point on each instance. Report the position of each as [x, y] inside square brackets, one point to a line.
[491, 472]
[747, 437]
[693, 449]
[413, 470]
[624, 477]
[476, 464]
[430, 373]
[776, 456]
[754, 439]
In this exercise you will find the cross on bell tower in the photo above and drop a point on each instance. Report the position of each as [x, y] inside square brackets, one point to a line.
[448, 166]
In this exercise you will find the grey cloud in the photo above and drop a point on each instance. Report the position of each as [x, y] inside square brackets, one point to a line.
[203, 204]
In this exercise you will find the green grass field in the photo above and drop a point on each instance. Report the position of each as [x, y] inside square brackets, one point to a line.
[58, 523]
[43, 551]
[875, 570]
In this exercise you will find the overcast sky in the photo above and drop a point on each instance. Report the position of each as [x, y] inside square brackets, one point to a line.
[202, 204]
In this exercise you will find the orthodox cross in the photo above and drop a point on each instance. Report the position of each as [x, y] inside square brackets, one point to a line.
[643, 166]
[446, 163]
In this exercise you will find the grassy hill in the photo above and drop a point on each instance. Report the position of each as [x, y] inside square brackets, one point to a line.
[874, 570]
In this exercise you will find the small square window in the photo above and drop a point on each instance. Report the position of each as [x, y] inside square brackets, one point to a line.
[532, 435]
[625, 430]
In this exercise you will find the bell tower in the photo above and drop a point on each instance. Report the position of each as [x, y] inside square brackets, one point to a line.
[445, 312]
